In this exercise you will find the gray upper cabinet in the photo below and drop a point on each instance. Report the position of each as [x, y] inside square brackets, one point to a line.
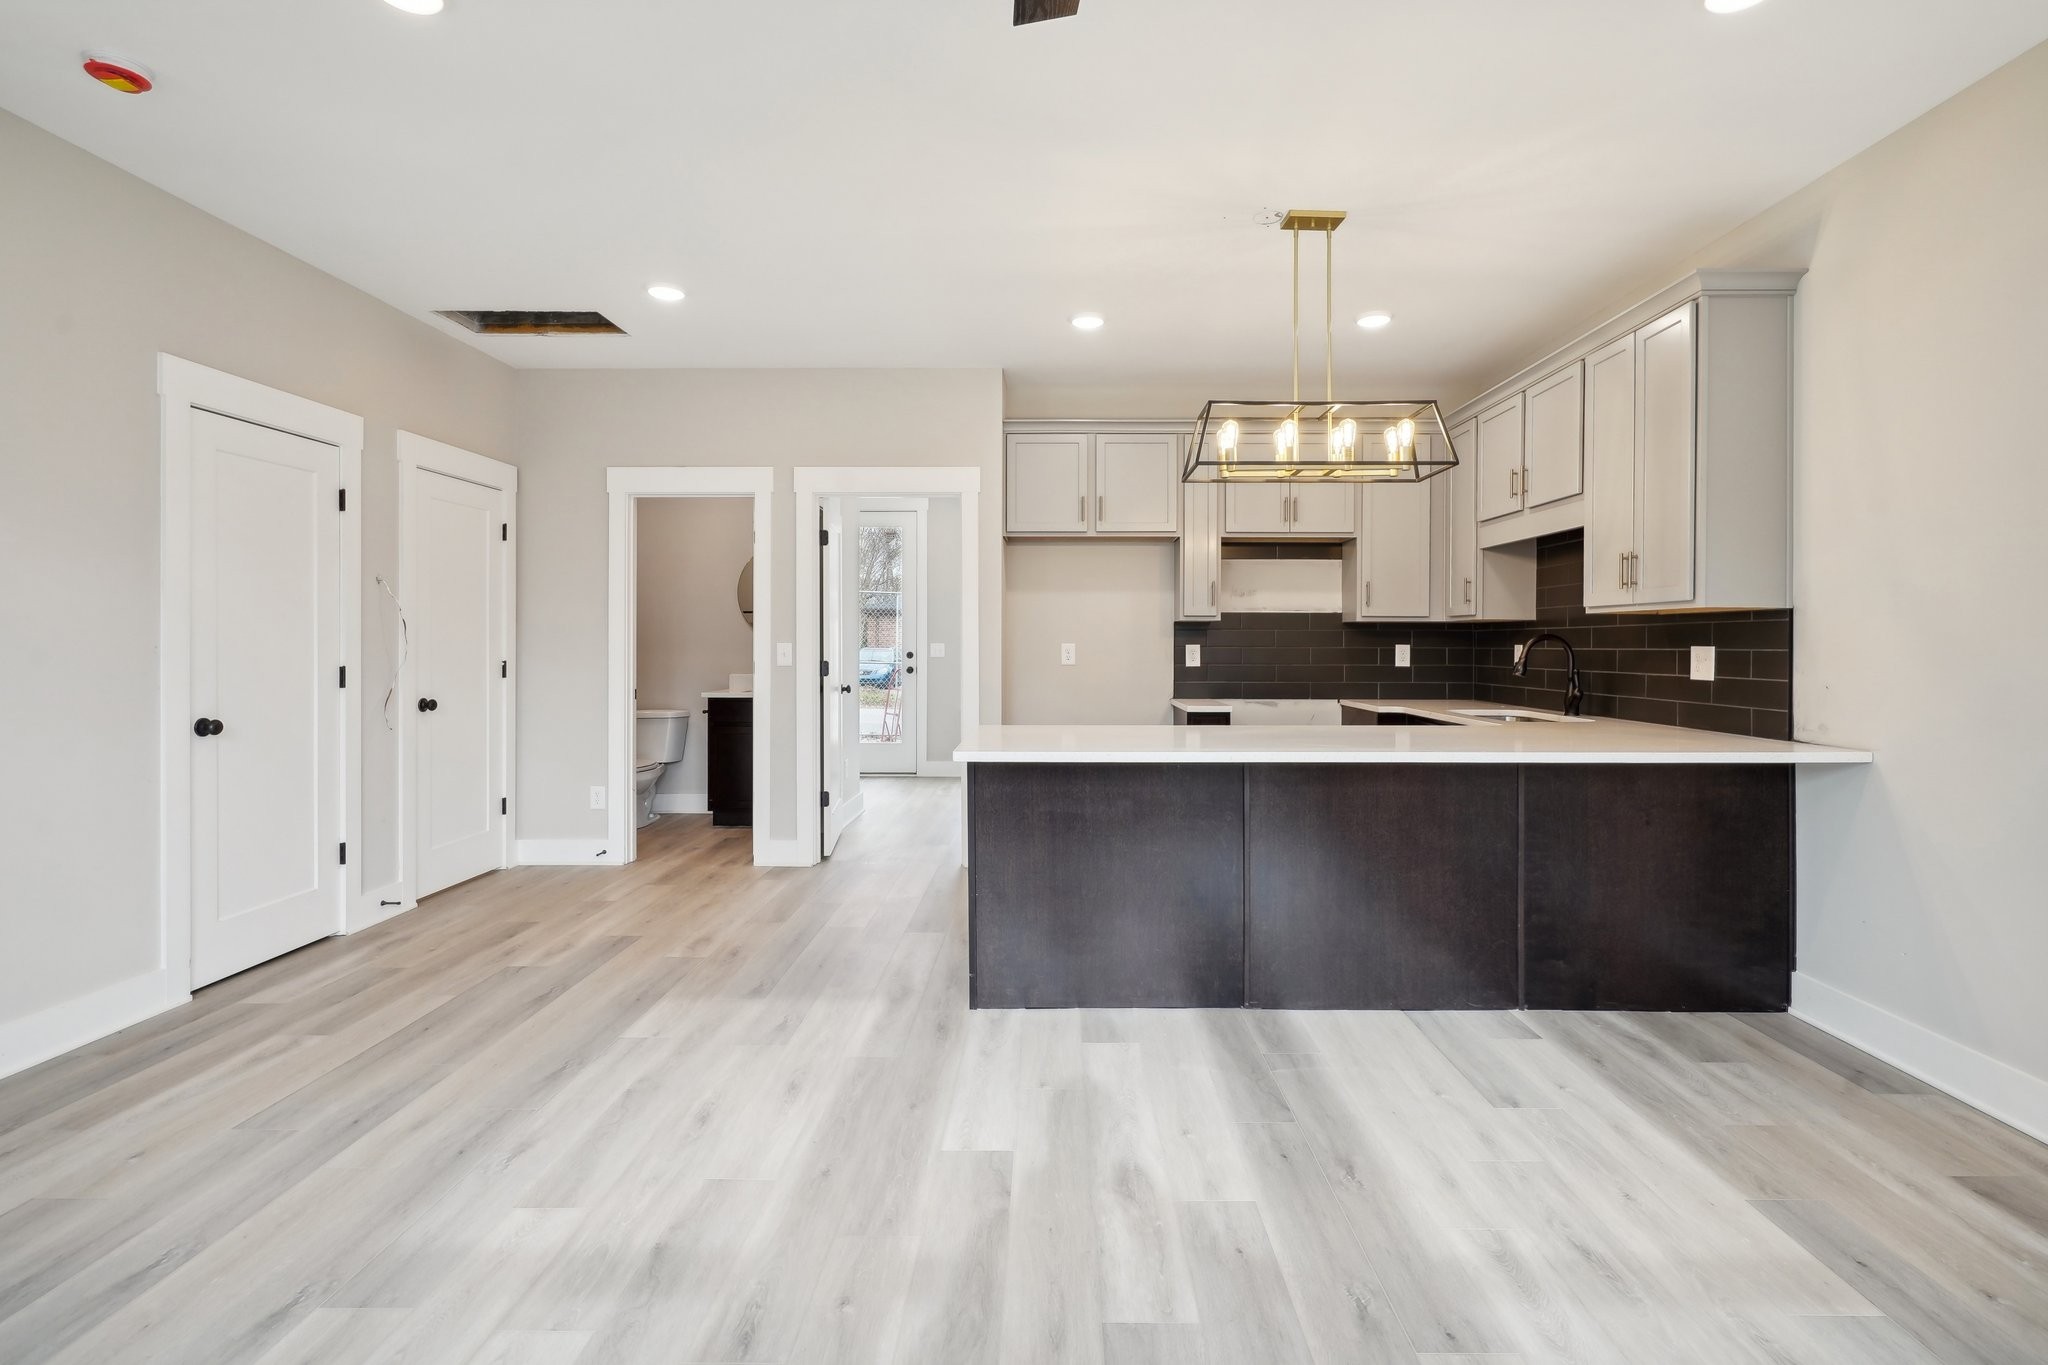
[1137, 485]
[1387, 565]
[1553, 415]
[1666, 434]
[1278, 510]
[1046, 485]
[1201, 552]
[1502, 452]
[1461, 579]
[1092, 484]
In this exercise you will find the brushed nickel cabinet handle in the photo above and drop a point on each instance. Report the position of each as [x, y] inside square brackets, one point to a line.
[1081, 509]
[1468, 591]
[1623, 582]
[1099, 518]
[1212, 594]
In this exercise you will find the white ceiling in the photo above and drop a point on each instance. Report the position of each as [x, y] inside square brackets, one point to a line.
[915, 183]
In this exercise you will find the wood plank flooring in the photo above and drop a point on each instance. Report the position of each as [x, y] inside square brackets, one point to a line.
[696, 1111]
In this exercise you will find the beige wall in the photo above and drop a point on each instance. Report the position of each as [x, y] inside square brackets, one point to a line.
[691, 637]
[98, 273]
[1921, 470]
[574, 423]
[1114, 601]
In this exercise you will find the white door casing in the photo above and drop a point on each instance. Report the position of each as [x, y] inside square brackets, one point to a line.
[266, 653]
[460, 669]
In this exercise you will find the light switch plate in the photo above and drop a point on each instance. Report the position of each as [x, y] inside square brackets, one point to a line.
[938, 651]
[1194, 656]
[1402, 657]
[1066, 654]
[597, 798]
[1702, 663]
[785, 654]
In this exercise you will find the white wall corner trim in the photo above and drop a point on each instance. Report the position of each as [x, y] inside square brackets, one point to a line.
[567, 853]
[35, 1038]
[1999, 1089]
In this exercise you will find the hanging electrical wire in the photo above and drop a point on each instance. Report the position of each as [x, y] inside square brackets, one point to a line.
[404, 649]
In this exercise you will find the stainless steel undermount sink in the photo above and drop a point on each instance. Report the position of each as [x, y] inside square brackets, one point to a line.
[1512, 717]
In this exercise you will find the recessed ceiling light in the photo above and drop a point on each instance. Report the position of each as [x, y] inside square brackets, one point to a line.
[1372, 322]
[1088, 322]
[1730, 6]
[416, 6]
[667, 293]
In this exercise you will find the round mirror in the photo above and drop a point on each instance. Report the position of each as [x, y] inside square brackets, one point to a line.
[747, 593]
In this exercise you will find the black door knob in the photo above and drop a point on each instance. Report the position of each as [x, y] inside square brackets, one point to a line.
[911, 669]
[910, 654]
[205, 726]
[429, 704]
[846, 687]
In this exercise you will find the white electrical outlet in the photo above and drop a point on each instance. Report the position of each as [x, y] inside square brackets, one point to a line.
[1194, 656]
[938, 651]
[597, 798]
[785, 655]
[1066, 654]
[1402, 657]
[1702, 663]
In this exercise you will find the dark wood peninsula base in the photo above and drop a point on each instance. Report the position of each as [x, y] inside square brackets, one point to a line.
[1380, 886]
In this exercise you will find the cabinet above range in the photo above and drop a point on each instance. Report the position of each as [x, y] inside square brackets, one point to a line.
[1060, 481]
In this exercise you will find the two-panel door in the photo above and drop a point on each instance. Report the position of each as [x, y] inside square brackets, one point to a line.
[1640, 447]
[266, 693]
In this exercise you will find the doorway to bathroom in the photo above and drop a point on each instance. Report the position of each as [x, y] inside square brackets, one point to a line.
[691, 658]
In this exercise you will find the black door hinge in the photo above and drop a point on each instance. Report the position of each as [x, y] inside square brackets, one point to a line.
[824, 798]
[824, 536]
[501, 669]
[504, 530]
[344, 855]
[824, 668]
[501, 806]
[344, 675]
[344, 500]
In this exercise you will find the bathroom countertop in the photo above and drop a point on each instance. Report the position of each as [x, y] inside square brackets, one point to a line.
[728, 692]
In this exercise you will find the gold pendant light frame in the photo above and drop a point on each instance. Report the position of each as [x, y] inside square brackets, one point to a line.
[1271, 440]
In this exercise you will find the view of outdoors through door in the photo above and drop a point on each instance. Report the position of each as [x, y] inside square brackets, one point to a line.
[885, 564]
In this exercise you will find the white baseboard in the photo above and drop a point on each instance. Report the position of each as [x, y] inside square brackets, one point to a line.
[682, 803]
[371, 909]
[564, 853]
[2000, 1089]
[51, 1032]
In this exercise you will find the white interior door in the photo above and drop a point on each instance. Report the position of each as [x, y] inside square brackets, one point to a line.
[839, 699]
[458, 599]
[266, 652]
[889, 637]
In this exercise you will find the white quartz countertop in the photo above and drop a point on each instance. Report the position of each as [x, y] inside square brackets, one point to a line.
[1470, 739]
[729, 692]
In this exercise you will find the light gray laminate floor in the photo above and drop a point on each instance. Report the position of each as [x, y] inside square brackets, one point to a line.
[695, 1111]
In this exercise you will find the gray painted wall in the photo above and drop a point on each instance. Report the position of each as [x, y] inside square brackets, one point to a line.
[98, 273]
[574, 423]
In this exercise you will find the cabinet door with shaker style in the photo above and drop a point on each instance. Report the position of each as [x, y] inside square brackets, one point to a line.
[1045, 490]
[1137, 485]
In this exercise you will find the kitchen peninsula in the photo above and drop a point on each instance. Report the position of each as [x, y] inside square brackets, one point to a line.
[1466, 856]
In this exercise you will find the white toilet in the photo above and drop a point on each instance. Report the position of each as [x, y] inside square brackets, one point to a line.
[658, 738]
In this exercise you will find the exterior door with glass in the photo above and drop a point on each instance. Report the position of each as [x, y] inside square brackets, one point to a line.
[889, 639]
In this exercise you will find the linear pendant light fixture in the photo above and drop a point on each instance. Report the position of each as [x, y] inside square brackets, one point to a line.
[1272, 440]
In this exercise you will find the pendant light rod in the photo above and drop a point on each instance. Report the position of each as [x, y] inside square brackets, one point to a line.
[1329, 304]
[1296, 235]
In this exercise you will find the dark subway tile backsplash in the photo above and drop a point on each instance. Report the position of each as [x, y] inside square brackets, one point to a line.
[1634, 667]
